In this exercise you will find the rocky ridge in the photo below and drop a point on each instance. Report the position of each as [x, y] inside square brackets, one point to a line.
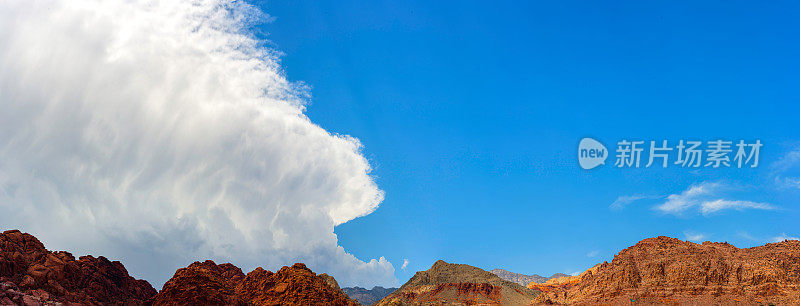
[665, 270]
[207, 283]
[659, 270]
[30, 274]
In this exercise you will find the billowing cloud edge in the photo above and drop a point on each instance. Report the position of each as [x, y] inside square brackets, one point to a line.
[163, 132]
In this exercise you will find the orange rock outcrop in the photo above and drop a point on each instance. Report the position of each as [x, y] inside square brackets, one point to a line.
[667, 270]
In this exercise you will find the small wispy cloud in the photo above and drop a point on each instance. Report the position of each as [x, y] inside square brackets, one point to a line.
[592, 254]
[405, 264]
[678, 203]
[788, 182]
[787, 162]
[623, 201]
[708, 196]
[694, 236]
[783, 237]
[710, 207]
[786, 170]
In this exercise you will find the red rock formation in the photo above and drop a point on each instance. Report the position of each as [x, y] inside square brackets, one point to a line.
[27, 267]
[202, 283]
[666, 270]
[295, 285]
[209, 283]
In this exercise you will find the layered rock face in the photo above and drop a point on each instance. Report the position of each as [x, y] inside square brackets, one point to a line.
[666, 270]
[31, 273]
[368, 296]
[457, 284]
[206, 283]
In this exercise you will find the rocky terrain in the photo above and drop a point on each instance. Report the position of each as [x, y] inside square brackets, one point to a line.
[457, 284]
[30, 274]
[665, 270]
[368, 296]
[659, 270]
[523, 279]
[206, 283]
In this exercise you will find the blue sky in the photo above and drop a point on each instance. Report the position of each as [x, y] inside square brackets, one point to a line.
[471, 112]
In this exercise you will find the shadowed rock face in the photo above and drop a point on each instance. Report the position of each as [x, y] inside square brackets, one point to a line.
[368, 296]
[456, 284]
[31, 272]
[205, 283]
[667, 270]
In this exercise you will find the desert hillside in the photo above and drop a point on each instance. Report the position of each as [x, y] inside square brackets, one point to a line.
[458, 284]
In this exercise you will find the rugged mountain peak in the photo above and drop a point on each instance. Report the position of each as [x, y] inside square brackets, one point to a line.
[442, 272]
[300, 266]
[458, 284]
[16, 241]
[202, 283]
[36, 274]
[230, 271]
[439, 264]
[206, 283]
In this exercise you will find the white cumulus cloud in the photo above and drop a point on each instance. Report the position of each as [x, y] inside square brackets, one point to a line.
[405, 264]
[163, 132]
